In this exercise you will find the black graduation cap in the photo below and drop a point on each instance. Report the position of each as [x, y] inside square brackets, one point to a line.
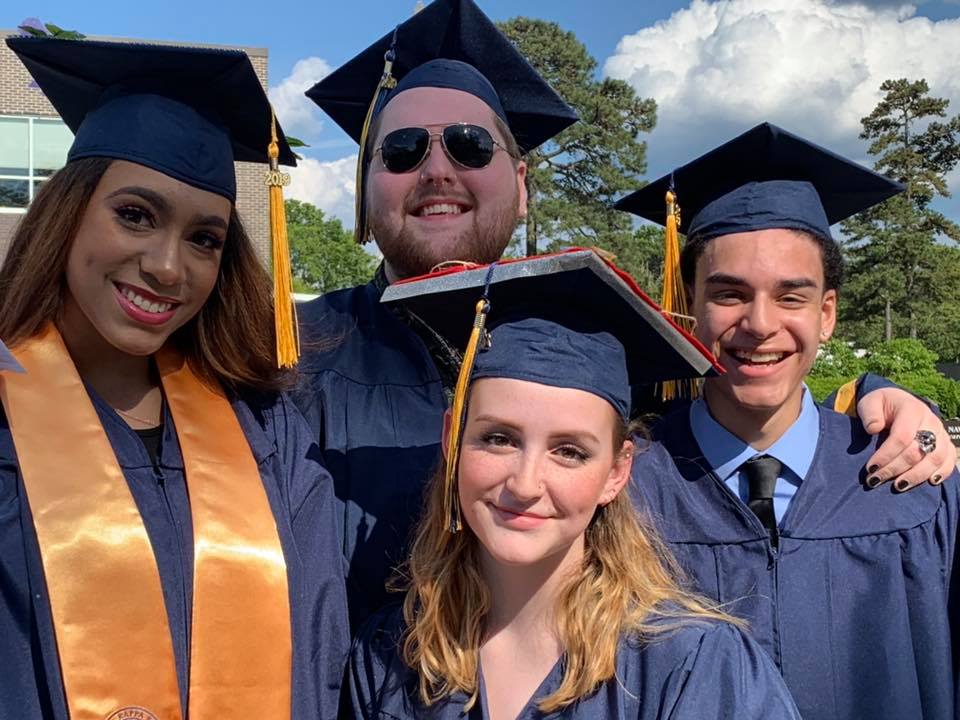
[765, 178]
[453, 30]
[577, 289]
[186, 112]
[570, 320]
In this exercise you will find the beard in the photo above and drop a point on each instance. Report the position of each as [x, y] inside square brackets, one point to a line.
[412, 256]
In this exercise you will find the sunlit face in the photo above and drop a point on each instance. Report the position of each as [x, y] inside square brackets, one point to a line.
[145, 258]
[760, 302]
[536, 461]
[441, 211]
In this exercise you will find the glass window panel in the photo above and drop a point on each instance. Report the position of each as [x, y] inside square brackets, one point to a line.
[14, 193]
[51, 141]
[14, 137]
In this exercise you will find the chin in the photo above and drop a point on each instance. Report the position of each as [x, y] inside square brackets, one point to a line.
[767, 398]
[138, 343]
[514, 551]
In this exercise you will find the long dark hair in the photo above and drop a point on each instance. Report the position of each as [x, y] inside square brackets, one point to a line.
[230, 341]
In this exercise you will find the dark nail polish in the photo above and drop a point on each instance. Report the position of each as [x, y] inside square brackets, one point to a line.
[872, 482]
[872, 469]
[901, 485]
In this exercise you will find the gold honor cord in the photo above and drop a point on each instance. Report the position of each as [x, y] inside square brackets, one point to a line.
[113, 638]
[108, 611]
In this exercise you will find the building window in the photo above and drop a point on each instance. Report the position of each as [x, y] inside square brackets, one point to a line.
[31, 150]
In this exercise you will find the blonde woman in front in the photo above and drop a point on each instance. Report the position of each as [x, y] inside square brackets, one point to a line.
[552, 598]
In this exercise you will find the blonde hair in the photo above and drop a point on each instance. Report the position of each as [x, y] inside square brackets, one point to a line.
[627, 585]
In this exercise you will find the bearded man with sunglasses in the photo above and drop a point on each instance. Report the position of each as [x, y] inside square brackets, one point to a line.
[440, 178]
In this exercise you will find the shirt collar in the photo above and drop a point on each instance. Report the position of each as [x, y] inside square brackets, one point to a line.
[725, 452]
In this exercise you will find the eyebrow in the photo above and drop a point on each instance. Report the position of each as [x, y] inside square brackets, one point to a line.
[151, 196]
[798, 283]
[563, 435]
[164, 207]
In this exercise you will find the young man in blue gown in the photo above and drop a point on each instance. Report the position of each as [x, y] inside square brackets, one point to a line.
[769, 501]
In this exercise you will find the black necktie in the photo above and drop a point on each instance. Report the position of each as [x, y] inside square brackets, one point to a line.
[762, 472]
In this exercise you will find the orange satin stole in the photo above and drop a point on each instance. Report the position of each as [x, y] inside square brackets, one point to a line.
[113, 639]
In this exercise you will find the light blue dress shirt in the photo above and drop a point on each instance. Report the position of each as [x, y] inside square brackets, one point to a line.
[725, 452]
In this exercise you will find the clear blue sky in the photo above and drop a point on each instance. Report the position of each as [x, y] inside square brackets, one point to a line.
[335, 30]
[331, 30]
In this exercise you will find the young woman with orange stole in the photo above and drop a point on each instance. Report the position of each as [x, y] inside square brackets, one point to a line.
[167, 535]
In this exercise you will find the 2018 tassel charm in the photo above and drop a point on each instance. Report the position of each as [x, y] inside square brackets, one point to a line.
[285, 311]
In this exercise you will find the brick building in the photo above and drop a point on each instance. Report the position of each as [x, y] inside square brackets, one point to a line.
[34, 143]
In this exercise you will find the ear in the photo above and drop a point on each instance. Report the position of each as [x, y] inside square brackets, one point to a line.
[445, 437]
[521, 189]
[619, 474]
[828, 314]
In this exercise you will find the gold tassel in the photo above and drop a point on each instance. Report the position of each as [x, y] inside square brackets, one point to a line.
[674, 298]
[285, 310]
[451, 505]
[387, 82]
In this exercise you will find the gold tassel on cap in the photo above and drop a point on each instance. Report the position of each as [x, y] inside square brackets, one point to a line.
[285, 311]
[674, 299]
[387, 82]
[451, 504]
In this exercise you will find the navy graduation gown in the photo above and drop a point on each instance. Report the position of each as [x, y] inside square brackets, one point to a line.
[856, 607]
[301, 498]
[374, 398]
[703, 670]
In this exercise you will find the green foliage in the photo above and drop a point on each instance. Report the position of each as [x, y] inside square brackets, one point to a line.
[641, 255]
[901, 357]
[899, 276]
[323, 255]
[906, 362]
[821, 387]
[36, 28]
[836, 359]
[573, 179]
[936, 387]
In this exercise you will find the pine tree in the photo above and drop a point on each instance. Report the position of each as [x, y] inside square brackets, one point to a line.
[892, 248]
[573, 179]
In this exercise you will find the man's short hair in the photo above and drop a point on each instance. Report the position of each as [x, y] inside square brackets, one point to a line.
[830, 255]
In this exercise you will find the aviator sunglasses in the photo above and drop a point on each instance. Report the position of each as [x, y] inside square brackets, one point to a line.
[469, 146]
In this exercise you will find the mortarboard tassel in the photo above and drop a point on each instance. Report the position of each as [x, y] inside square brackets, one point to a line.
[674, 298]
[457, 407]
[387, 82]
[285, 311]
[478, 336]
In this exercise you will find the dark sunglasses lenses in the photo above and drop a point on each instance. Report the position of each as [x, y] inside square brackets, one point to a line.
[468, 145]
[403, 149]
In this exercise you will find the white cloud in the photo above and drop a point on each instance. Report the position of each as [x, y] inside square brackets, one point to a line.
[298, 114]
[328, 185]
[718, 68]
